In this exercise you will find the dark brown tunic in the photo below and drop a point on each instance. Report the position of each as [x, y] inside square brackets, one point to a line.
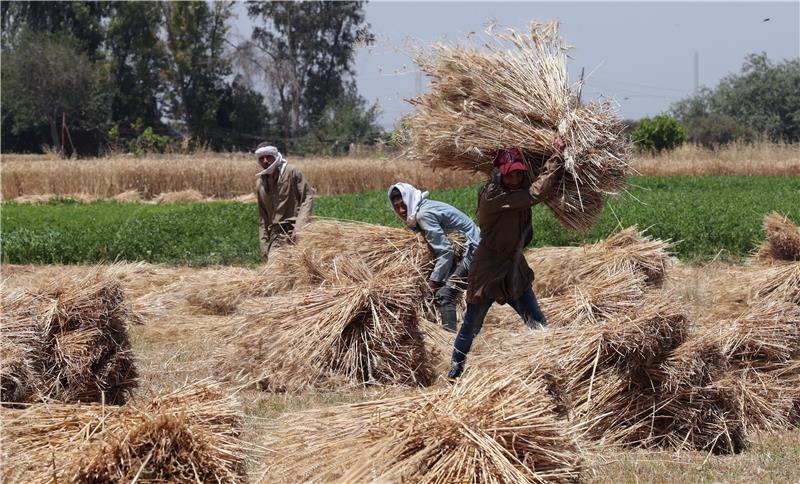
[499, 271]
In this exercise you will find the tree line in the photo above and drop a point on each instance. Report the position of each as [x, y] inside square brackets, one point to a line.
[155, 76]
[761, 102]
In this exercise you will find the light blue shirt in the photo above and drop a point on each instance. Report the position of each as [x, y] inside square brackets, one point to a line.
[437, 219]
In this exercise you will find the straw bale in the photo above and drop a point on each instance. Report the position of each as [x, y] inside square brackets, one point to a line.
[70, 338]
[189, 435]
[558, 269]
[783, 239]
[767, 333]
[515, 92]
[613, 379]
[779, 283]
[18, 346]
[313, 260]
[362, 329]
[701, 418]
[595, 300]
[750, 360]
[482, 429]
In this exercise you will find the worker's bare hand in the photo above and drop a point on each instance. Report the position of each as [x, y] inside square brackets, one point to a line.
[434, 285]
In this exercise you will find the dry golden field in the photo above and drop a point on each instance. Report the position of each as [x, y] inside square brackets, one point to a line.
[176, 345]
[228, 176]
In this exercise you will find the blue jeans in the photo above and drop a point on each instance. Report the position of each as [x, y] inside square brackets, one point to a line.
[526, 306]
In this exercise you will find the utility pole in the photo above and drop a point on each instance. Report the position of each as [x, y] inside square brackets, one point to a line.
[696, 72]
[418, 83]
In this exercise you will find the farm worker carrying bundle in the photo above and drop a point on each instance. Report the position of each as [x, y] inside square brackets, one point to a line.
[285, 199]
[499, 272]
[435, 220]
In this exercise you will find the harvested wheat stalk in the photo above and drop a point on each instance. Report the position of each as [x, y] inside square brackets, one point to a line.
[560, 268]
[610, 377]
[483, 429]
[311, 262]
[779, 283]
[363, 329]
[189, 435]
[783, 239]
[515, 93]
[596, 300]
[71, 342]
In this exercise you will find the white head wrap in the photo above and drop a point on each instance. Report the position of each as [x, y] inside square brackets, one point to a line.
[412, 197]
[276, 165]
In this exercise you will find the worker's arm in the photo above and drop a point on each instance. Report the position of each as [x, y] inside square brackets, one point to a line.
[440, 245]
[546, 182]
[498, 199]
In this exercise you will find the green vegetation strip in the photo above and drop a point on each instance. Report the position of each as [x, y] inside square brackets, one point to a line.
[712, 216]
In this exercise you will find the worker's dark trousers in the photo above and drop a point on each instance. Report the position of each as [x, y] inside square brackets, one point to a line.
[526, 306]
[448, 295]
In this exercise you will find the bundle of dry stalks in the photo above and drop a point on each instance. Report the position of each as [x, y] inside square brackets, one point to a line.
[189, 435]
[783, 239]
[313, 261]
[748, 364]
[483, 429]
[361, 329]
[68, 341]
[561, 268]
[780, 283]
[615, 373]
[516, 93]
[596, 300]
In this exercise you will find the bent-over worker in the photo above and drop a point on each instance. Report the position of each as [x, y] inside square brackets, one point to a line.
[435, 220]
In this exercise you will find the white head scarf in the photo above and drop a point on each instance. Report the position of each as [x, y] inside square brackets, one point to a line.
[412, 197]
[276, 165]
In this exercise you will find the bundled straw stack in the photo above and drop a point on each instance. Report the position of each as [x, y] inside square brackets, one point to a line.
[620, 362]
[189, 435]
[67, 342]
[310, 263]
[483, 429]
[761, 352]
[777, 283]
[783, 240]
[362, 328]
[516, 93]
[559, 269]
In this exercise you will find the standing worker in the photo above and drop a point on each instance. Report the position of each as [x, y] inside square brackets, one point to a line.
[499, 272]
[285, 199]
[435, 220]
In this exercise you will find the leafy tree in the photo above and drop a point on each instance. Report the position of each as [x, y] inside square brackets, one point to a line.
[243, 116]
[310, 49]
[658, 134]
[46, 76]
[197, 64]
[137, 62]
[82, 20]
[346, 120]
[714, 130]
[763, 98]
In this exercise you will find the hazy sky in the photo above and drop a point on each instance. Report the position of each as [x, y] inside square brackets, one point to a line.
[639, 53]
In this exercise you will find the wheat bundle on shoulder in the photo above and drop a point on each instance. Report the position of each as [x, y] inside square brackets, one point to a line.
[515, 92]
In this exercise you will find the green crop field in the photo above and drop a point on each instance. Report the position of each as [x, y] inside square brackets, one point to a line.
[710, 216]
